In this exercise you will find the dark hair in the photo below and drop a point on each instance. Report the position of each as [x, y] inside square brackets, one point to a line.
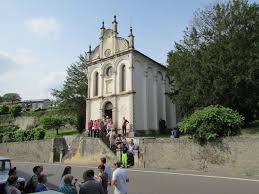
[12, 171]
[101, 166]
[89, 173]
[103, 160]
[35, 169]
[12, 179]
[118, 164]
[67, 170]
[41, 178]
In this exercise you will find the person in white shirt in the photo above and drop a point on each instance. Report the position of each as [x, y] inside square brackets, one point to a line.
[107, 170]
[120, 179]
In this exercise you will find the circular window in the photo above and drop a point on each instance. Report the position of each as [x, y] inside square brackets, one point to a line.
[109, 71]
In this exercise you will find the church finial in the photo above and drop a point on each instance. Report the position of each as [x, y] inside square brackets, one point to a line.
[114, 19]
[114, 25]
[131, 34]
[102, 30]
[90, 49]
[131, 39]
[102, 25]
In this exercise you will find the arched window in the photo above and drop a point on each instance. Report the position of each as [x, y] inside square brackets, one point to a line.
[109, 71]
[123, 78]
[96, 80]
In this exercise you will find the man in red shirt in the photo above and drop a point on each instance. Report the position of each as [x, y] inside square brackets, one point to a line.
[124, 126]
[90, 128]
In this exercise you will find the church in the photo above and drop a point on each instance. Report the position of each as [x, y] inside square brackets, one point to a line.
[123, 82]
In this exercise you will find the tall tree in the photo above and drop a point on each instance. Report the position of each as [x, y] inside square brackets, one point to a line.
[72, 97]
[11, 97]
[217, 62]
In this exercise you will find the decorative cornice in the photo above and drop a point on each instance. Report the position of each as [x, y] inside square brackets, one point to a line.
[112, 95]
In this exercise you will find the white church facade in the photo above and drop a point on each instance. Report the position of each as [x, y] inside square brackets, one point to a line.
[123, 82]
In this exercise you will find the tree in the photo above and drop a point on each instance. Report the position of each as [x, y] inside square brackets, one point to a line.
[11, 97]
[16, 110]
[72, 97]
[52, 123]
[217, 62]
[4, 109]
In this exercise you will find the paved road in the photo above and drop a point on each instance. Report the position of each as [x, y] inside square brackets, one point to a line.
[155, 182]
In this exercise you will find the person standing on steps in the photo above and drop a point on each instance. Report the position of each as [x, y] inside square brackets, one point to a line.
[124, 126]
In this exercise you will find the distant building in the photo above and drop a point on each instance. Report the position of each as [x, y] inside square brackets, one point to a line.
[38, 104]
[123, 82]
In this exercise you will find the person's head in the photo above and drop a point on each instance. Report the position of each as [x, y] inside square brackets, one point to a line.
[123, 118]
[119, 135]
[117, 164]
[12, 180]
[107, 117]
[42, 178]
[68, 178]
[131, 141]
[103, 160]
[101, 168]
[36, 170]
[12, 172]
[67, 170]
[89, 174]
[40, 169]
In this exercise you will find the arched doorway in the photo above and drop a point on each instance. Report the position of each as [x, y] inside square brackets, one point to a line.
[108, 109]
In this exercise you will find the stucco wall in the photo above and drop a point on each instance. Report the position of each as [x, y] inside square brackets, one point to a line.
[89, 151]
[72, 149]
[233, 156]
[31, 151]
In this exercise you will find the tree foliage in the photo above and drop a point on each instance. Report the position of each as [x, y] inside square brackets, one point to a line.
[11, 97]
[52, 123]
[15, 110]
[211, 123]
[72, 97]
[217, 62]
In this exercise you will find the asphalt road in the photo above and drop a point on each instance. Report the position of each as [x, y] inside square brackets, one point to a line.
[155, 182]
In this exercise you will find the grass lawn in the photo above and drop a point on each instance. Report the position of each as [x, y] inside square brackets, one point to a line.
[252, 129]
[62, 132]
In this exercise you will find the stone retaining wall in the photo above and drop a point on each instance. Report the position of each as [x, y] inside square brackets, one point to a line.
[30, 151]
[239, 155]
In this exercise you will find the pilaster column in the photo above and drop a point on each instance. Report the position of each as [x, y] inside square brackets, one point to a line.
[145, 101]
[101, 81]
[164, 100]
[115, 82]
[155, 102]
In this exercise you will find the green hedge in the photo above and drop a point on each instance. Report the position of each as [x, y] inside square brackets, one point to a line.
[24, 134]
[211, 123]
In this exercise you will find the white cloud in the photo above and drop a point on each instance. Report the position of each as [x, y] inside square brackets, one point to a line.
[30, 81]
[43, 26]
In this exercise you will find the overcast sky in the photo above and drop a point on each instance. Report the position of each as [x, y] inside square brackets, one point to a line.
[39, 39]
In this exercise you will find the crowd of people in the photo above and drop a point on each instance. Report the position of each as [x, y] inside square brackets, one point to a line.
[92, 183]
[101, 127]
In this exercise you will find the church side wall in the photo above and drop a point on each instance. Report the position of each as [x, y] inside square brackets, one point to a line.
[139, 97]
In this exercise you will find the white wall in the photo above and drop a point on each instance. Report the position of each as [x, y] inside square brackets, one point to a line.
[139, 98]
[123, 109]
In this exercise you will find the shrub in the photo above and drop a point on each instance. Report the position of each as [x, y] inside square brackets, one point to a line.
[211, 123]
[4, 109]
[51, 123]
[7, 128]
[16, 110]
[39, 133]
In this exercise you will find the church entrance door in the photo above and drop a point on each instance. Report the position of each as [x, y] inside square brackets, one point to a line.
[108, 109]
